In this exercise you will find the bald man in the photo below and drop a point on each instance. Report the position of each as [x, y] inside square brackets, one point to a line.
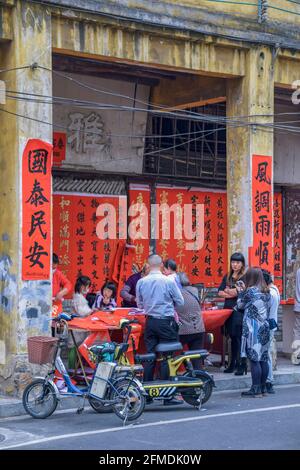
[158, 295]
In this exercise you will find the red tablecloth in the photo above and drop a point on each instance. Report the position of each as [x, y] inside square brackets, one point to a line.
[103, 321]
[100, 324]
[213, 319]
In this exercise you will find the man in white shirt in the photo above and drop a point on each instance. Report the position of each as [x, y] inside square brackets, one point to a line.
[273, 319]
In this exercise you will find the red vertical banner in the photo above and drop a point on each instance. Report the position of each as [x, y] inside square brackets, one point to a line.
[36, 210]
[261, 253]
[208, 263]
[209, 226]
[278, 248]
[221, 241]
[127, 262]
[163, 246]
[59, 148]
[63, 238]
[139, 223]
[116, 266]
[170, 204]
[75, 237]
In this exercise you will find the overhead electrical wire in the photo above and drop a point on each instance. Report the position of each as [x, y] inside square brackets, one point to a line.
[211, 119]
[166, 110]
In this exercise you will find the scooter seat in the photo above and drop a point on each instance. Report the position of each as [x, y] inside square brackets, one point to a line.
[168, 347]
[202, 352]
[139, 358]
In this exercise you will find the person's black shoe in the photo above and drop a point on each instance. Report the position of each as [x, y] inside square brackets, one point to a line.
[254, 392]
[242, 367]
[230, 368]
[173, 401]
[264, 390]
[270, 388]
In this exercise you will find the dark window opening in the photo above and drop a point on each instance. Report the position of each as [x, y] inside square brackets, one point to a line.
[187, 147]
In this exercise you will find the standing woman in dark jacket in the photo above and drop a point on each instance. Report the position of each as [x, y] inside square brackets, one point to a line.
[233, 326]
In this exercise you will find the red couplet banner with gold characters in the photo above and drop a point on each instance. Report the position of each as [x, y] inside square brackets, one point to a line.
[36, 210]
[261, 253]
[278, 248]
[207, 263]
[139, 207]
[75, 238]
[59, 148]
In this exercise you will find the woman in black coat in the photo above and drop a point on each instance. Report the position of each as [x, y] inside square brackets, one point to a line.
[233, 326]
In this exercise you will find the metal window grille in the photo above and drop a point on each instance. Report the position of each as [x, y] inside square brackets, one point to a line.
[199, 154]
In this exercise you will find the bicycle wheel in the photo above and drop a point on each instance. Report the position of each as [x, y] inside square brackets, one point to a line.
[39, 399]
[192, 396]
[131, 401]
[99, 407]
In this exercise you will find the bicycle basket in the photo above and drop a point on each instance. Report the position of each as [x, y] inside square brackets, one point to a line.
[41, 349]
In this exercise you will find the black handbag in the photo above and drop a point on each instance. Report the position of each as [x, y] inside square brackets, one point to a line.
[237, 317]
[272, 324]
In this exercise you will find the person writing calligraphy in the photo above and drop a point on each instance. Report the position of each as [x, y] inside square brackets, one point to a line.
[233, 325]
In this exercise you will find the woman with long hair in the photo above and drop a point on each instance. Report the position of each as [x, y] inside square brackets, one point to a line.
[233, 326]
[254, 298]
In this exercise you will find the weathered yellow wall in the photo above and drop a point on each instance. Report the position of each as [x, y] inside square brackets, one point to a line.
[31, 43]
[6, 32]
[9, 207]
[103, 38]
[247, 9]
[251, 95]
[161, 50]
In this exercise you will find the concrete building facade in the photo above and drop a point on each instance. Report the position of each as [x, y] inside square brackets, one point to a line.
[177, 55]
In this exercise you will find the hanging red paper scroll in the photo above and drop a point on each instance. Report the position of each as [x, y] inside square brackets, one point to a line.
[75, 237]
[278, 249]
[116, 266]
[208, 263]
[36, 210]
[59, 148]
[261, 253]
[127, 263]
[139, 223]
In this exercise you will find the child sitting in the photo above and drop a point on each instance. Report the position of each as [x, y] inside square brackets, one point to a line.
[82, 309]
[106, 297]
[80, 302]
